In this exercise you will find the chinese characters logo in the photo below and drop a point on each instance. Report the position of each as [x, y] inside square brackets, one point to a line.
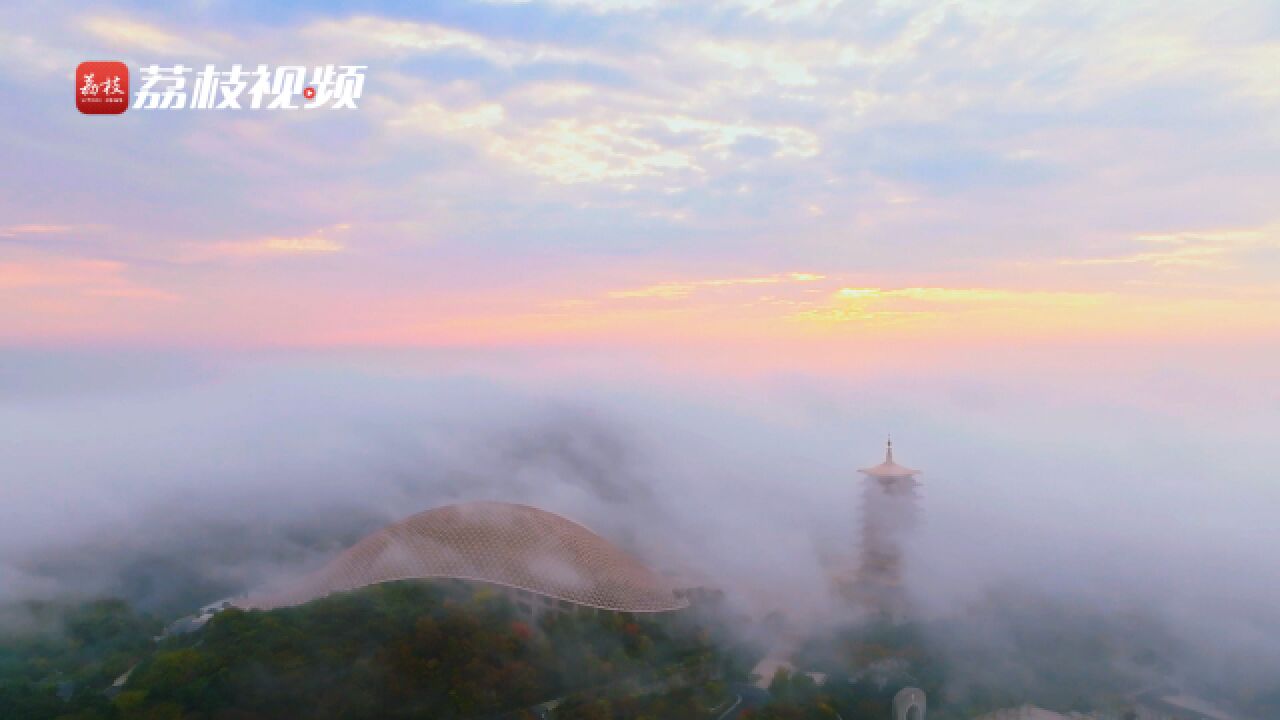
[288, 87]
[102, 88]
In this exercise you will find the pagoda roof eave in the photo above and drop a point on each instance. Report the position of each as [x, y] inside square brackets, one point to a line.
[889, 470]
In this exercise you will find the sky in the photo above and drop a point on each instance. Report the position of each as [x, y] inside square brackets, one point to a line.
[773, 183]
[656, 264]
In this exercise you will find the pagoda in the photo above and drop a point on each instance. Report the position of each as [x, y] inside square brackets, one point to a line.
[888, 514]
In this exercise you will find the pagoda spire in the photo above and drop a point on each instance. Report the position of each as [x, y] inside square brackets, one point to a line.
[889, 468]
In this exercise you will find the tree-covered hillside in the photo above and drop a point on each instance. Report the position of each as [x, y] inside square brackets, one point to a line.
[400, 650]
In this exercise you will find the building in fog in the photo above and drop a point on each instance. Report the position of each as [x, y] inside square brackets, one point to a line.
[909, 703]
[888, 514]
[544, 562]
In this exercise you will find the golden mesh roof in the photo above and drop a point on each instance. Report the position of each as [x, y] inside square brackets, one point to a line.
[511, 545]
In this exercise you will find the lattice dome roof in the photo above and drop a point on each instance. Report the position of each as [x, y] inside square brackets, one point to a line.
[510, 545]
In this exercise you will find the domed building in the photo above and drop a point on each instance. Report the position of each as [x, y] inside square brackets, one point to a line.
[545, 562]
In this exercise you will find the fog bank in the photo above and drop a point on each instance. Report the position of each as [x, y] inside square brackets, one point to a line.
[176, 479]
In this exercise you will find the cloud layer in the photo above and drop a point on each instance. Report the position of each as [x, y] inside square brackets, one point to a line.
[512, 163]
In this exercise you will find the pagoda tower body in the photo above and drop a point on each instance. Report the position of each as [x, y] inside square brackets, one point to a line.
[888, 515]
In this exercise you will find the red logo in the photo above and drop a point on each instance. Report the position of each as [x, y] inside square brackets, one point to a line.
[102, 88]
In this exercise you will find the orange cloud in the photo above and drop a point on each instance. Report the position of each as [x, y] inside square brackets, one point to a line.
[15, 230]
[681, 289]
[320, 242]
[57, 272]
[1204, 250]
[73, 276]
